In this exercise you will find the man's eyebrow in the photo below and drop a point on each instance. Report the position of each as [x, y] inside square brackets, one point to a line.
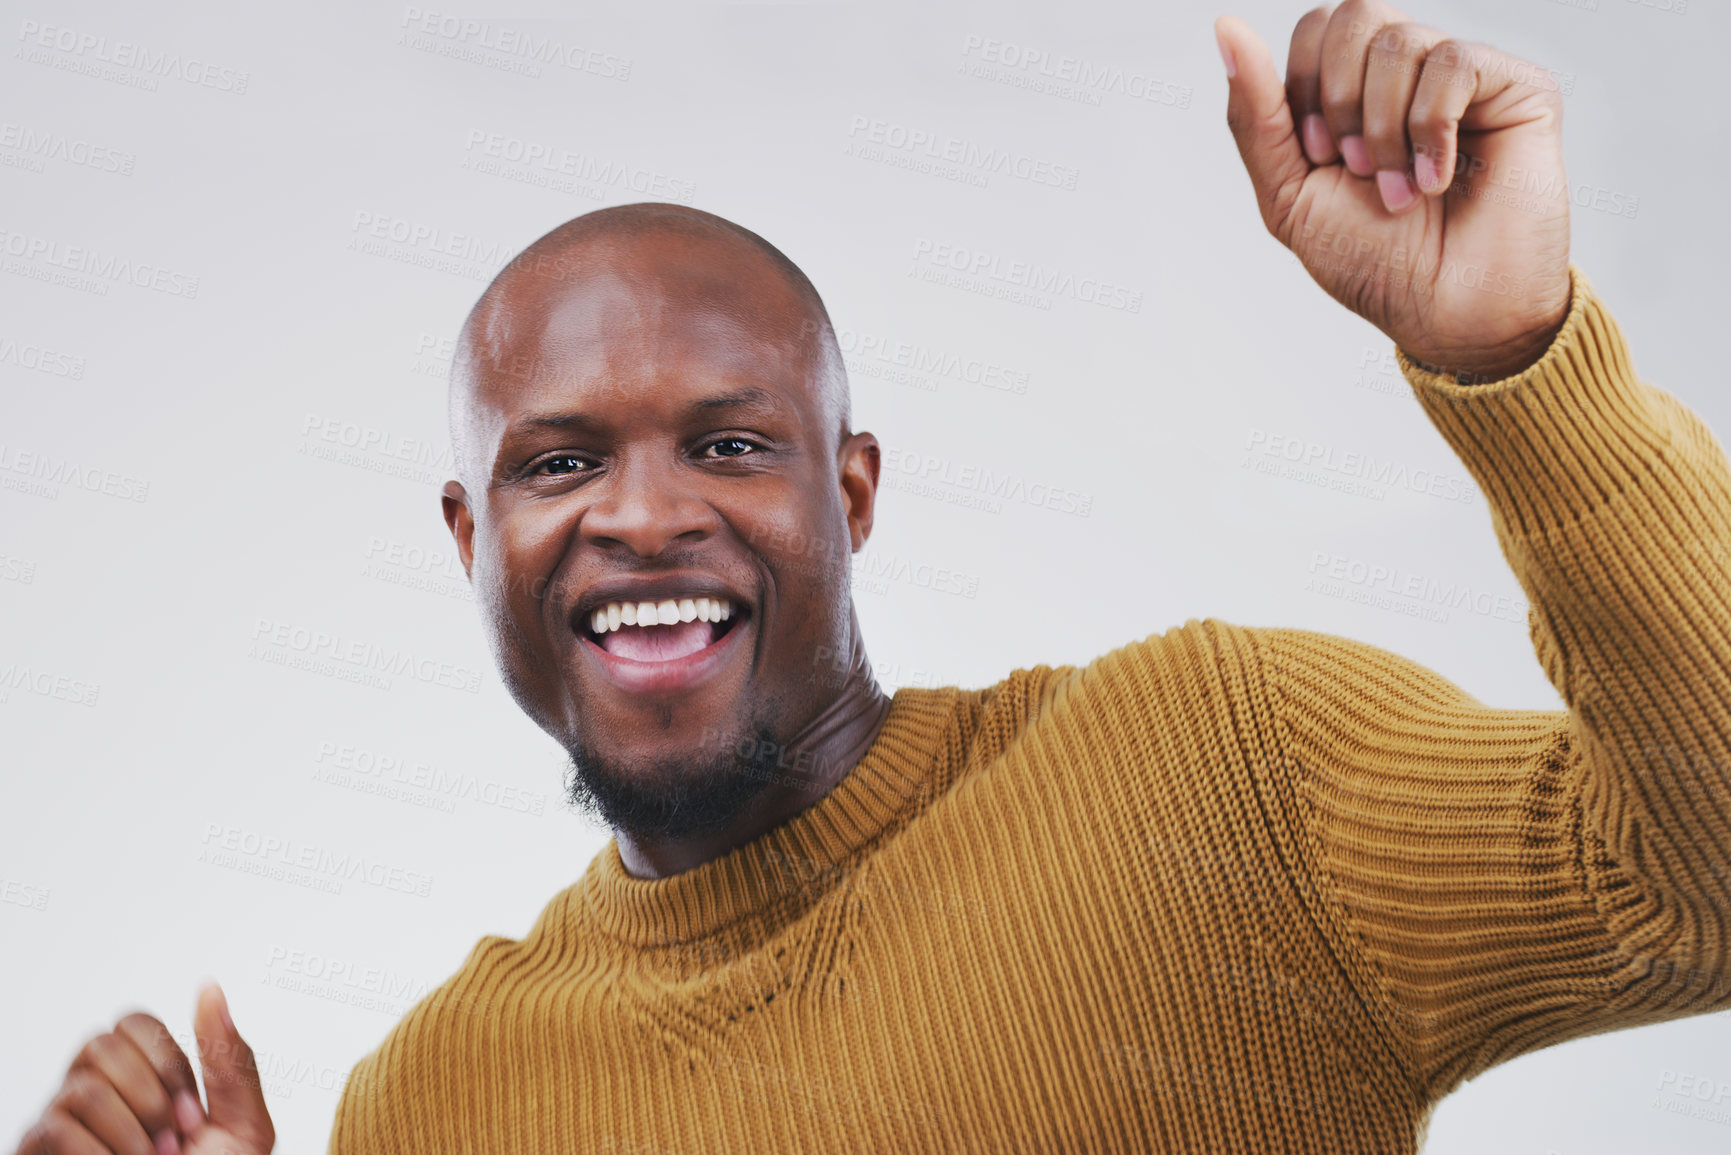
[535, 422]
[750, 397]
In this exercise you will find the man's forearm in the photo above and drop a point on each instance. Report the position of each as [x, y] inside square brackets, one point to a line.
[1612, 502]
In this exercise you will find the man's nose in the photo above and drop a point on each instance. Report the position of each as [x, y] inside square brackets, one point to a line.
[645, 505]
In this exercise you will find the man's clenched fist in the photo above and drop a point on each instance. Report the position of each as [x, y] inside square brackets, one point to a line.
[1418, 178]
[131, 1092]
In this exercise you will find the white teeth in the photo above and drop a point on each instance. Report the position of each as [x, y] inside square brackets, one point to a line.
[663, 613]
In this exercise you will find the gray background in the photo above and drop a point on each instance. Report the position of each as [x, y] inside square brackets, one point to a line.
[175, 725]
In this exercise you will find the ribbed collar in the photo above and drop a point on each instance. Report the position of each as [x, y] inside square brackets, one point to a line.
[895, 774]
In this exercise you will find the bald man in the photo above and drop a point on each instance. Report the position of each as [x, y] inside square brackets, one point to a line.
[658, 329]
[1224, 888]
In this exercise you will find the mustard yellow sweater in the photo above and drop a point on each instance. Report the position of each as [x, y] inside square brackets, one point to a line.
[1223, 889]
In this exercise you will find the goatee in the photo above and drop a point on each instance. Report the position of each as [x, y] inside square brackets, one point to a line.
[674, 798]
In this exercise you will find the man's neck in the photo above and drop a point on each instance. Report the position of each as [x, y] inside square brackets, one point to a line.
[823, 751]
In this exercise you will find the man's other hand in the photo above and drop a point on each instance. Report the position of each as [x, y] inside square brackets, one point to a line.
[1418, 178]
[131, 1092]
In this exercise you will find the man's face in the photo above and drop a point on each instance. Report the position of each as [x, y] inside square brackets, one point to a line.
[651, 430]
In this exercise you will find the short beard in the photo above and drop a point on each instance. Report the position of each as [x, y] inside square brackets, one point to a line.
[672, 799]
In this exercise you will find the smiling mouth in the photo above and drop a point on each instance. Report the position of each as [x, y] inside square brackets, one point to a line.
[663, 631]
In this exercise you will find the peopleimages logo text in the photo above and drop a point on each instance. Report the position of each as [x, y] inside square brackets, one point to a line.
[991, 267]
[40, 144]
[90, 262]
[125, 54]
[508, 41]
[1089, 77]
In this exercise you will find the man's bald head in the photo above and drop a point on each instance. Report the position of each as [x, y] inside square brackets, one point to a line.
[649, 409]
[520, 303]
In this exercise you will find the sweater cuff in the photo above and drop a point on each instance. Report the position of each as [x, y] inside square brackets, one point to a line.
[1560, 439]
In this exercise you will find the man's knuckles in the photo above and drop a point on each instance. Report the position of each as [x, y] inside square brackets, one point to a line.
[152, 1037]
[54, 1134]
[116, 1060]
[85, 1098]
[74, 1095]
[98, 1048]
[143, 1025]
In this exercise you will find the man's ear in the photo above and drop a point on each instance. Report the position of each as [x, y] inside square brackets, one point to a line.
[857, 461]
[461, 523]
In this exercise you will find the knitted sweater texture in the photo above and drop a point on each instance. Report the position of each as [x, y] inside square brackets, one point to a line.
[1223, 889]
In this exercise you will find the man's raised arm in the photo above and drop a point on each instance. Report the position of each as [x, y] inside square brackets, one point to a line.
[1502, 880]
[1512, 879]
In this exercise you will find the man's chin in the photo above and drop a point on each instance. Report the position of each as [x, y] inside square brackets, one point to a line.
[673, 791]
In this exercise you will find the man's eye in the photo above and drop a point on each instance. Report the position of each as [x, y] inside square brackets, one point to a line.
[549, 464]
[731, 446]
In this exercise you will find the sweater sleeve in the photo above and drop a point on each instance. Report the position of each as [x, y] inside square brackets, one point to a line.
[1504, 880]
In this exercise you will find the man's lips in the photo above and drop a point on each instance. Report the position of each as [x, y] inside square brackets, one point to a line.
[649, 659]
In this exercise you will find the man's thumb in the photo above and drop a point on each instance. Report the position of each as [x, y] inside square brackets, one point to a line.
[231, 1078]
[1261, 123]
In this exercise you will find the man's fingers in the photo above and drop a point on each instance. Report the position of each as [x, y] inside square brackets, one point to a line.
[1445, 90]
[1397, 57]
[231, 1080]
[1261, 123]
[1304, 86]
[170, 1064]
[60, 1134]
[1472, 86]
[93, 1101]
[116, 1058]
[1345, 50]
